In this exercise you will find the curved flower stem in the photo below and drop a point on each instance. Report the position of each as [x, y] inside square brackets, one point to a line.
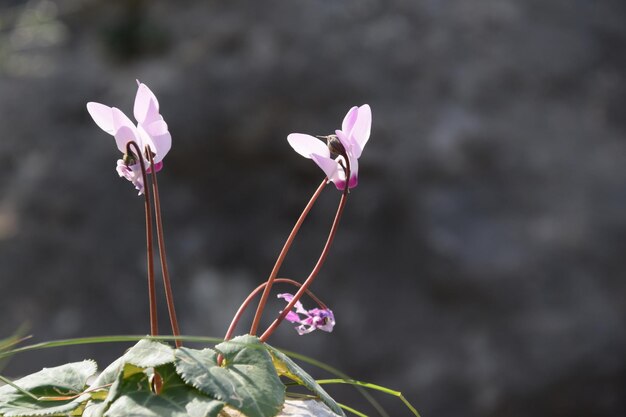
[318, 265]
[154, 326]
[281, 258]
[162, 255]
[248, 300]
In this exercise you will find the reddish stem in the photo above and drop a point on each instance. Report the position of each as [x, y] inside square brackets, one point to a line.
[248, 300]
[318, 265]
[281, 258]
[154, 326]
[162, 254]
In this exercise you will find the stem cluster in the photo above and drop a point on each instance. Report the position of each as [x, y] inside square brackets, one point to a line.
[160, 241]
[266, 287]
[304, 287]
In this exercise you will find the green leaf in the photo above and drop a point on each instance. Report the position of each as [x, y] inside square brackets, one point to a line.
[288, 368]
[145, 354]
[149, 353]
[118, 370]
[247, 379]
[50, 383]
[176, 399]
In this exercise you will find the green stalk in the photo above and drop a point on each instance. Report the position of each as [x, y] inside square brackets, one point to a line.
[373, 387]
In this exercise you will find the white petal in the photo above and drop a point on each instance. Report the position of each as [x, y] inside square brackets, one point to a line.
[330, 167]
[160, 144]
[125, 130]
[306, 145]
[350, 119]
[146, 104]
[102, 115]
[123, 136]
[361, 129]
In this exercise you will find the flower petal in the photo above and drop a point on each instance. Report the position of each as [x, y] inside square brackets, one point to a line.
[302, 329]
[285, 296]
[298, 305]
[125, 130]
[306, 145]
[146, 107]
[102, 115]
[330, 166]
[159, 144]
[350, 119]
[292, 317]
[354, 172]
[361, 129]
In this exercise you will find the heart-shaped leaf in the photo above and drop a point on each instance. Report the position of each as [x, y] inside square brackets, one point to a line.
[176, 398]
[54, 387]
[246, 380]
[149, 353]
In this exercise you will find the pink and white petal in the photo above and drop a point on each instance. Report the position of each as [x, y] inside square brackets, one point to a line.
[292, 317]
[330, 167]
[146, 103]
[306, 145]
[102, 115]
[120, 119]
[160, 145]
[362, 128]
[302, 329]
[285, 296]
[354, 173]
[125, 130]
[350, 119]
[152, 115]
[123, 136]
[156, 128]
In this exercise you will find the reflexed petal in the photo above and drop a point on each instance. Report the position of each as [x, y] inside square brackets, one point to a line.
[298, 305]
[125, 130]
[302, 329]
[285, 296]
[292, 317]
[160, 144]
[156, 128]
[330, 167]
[146, 104]
[350, 119]
[102, 115]
[123, 136]
[361, 130]
[354, 172]
[300, 308]
[120, 119]
[306, 145]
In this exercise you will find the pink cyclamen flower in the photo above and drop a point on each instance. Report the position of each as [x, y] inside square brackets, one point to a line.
[151, 132]
[354, 134]
[316, 318]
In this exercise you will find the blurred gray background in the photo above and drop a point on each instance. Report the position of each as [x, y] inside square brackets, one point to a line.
[479, 267]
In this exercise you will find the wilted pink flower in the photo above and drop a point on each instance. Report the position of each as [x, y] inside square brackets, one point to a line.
[132, 173]
[316, 318]
[150, 132]
[354, 134]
